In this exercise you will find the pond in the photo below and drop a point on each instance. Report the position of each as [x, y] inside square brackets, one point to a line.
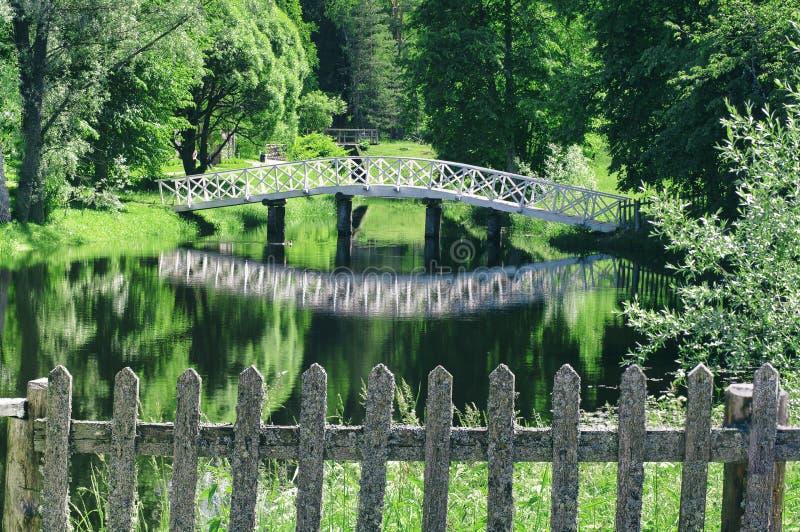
[221, 306]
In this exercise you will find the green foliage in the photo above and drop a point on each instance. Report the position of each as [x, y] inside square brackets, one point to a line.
[666, 74]
[373, 74]
[569, 166]
[254, 65]
[314, 146]
[502, 79]
[739, 304]
[316, 110]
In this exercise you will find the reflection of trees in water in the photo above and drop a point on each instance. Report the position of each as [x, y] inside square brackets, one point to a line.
[99, 316]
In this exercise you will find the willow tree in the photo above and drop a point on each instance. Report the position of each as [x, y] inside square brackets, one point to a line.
[254, 65]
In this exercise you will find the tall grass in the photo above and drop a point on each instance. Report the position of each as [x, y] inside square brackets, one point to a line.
[405, 487]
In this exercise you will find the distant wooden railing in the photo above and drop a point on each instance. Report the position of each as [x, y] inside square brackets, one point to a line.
[349, 137]
[753, 444]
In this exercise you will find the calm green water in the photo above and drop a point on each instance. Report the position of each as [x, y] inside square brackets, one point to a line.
[220, 307]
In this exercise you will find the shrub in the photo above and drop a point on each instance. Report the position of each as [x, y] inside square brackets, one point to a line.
[314, 146]
[739, 302]
[316, 110]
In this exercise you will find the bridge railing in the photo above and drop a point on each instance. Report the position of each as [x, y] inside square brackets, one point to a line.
[401, 177]
[354, 136]
[754, 445]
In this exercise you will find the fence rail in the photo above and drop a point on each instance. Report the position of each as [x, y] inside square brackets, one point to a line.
[753, 447]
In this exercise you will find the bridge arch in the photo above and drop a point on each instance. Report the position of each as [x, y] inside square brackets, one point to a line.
[402, 177]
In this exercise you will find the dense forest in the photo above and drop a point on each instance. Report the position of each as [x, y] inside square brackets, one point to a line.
[97, 95]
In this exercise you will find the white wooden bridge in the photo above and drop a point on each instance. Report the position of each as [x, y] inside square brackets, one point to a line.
[384, 293]
[400, 177]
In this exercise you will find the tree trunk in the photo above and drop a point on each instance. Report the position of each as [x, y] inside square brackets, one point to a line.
[186, 151]
[32, 57]
[510, 103]
[5, 200]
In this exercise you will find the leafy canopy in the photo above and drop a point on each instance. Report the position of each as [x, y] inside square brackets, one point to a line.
[740, 303]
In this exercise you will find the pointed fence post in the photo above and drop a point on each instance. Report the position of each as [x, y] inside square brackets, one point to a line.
[378, 420]
[694, 480]
[500, 453]
[438, 424]
[184, 452]
[122, 461]
[310, 462]
[761, 455]
[739, 409]
[566, 418]
[630, 467]
[23, 477]
[55, 500]
[247, 437]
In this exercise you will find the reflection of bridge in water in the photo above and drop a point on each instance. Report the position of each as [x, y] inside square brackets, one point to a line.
[383, 293]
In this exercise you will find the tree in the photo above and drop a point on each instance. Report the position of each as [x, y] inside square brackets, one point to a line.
[739, 302]
[133, 130]
[373, 74]
[316, 111]
[496, 78]
[668, 68]
[9, 106]
[64, 49]
[254, 66]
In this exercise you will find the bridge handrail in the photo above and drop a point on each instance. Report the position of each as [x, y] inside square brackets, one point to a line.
[476, 185]
[512, 175]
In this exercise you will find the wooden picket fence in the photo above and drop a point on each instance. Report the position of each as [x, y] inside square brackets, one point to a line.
[753, 443]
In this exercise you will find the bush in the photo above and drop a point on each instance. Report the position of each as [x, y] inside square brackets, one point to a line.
[316, 110]
[739, 302]
[314, 146]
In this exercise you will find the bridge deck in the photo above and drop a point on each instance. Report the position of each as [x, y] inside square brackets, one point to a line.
[399, 177]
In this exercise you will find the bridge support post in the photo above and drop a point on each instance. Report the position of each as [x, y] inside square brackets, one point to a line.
[344, 215]
[433, 224]
[433, 218]
[494, 226]
[343, 251]
[276, 221]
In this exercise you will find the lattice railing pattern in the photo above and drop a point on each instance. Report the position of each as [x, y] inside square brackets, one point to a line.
[386, 293]
[401, 177]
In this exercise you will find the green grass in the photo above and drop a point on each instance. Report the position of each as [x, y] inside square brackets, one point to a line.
[401, 148]
[143, 226]
[174, 167]
[405, 487]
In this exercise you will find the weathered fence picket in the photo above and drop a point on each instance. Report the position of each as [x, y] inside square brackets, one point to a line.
[439, 422]
[752, 494]
[380, 402]
[500, 426]
[566, 417]
[122, 461]
[694, 475]
[55, 513]
[184, 457]
[310, 462]
[761, 454]
[247, 434]
[630, 468]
